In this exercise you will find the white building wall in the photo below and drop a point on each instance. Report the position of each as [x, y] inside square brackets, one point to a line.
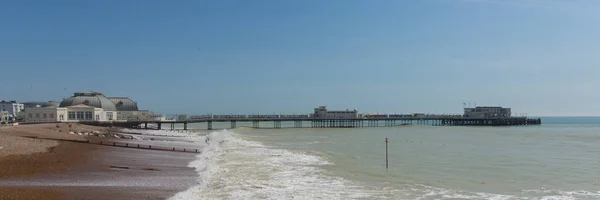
[61, 114]
[138, 116]
[111, 115]
[12, 107]
[156, 117]
[77, 114]
[142, 115]
[99, 114]
[69, 114]
[130, 115]
[43, 115]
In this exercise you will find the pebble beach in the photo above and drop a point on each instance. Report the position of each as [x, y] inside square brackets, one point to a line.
[40, 161]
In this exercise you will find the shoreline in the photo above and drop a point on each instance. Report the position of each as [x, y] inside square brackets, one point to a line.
[86, 171]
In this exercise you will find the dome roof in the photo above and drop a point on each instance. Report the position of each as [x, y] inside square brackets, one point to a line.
[94, 99]
[124, 103]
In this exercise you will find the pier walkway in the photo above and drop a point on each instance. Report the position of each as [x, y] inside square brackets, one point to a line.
[337, 122]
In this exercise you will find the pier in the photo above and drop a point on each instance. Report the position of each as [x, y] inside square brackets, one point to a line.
[311, 122]
[323, 118]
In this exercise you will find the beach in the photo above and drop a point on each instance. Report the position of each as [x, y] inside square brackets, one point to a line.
[34, 168]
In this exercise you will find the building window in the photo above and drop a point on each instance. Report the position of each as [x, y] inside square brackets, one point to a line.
[72, 116]
[88, 115]
[61, 117]
[97, 117]
[109, 116]
[37, 115]
[80, 115]
[45, 115]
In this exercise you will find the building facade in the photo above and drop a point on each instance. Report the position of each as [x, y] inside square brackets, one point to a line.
[88, 106]
[44, 115]
[12, 107]
[322, 112]
[487, 112]
[5, 118]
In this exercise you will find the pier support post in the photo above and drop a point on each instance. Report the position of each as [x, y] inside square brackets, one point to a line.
[146, 125]
[185, 126]
[278, 123]
[233, 124]
[209, 125]
[159, 125]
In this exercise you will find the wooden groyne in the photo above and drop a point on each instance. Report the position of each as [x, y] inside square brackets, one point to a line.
[123, 145]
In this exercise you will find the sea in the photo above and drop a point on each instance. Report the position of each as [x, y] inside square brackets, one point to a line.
[557, 160]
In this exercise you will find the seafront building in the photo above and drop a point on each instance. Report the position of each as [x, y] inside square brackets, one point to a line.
[12, 107]
[87, 107]
[9, 110]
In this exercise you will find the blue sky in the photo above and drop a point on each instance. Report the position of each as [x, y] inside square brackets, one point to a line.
[537, 56]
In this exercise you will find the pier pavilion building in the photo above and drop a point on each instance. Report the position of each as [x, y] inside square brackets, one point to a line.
[89, 106]
[487, 112]
[323, 113]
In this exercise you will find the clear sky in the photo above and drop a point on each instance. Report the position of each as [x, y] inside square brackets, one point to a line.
[540, 57]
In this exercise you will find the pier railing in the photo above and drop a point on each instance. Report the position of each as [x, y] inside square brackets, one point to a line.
[337, 122]
[242, 119]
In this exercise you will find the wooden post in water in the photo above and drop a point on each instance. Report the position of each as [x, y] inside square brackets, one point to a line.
[386, 153]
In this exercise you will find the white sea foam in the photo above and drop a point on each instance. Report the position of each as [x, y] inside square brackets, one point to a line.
[547, 194]
[233, 168]
[178, 133]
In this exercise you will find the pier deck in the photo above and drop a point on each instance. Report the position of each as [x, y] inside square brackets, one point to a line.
[339, 122]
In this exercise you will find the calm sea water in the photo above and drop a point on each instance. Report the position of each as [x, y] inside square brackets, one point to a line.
[557, 160]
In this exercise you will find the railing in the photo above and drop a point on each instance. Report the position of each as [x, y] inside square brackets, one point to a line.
[424, 117]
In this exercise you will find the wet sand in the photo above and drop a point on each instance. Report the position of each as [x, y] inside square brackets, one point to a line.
[85, 171]
[10, 193]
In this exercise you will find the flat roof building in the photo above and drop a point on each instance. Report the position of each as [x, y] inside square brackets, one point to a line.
[322, 112]
[11, 107]
[487, 112]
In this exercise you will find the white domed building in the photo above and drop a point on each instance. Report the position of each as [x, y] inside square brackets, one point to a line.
[88, 106]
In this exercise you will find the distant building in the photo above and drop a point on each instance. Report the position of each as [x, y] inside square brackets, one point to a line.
[322, 112]
[41, 104]
[5, 117]
[487, 112]
[144, 115]
[12, 107]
